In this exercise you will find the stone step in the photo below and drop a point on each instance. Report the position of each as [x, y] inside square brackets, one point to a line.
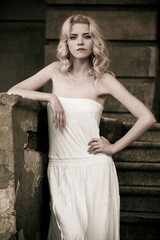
[142, 174]
[120, 116]
[140, 152]
[140, 226]
[140, 199]
[152, 135]
[113, 129]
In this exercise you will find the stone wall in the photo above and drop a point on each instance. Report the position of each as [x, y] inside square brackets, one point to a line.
[24, 196]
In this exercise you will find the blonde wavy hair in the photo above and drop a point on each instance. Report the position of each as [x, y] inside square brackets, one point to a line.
[99, 58]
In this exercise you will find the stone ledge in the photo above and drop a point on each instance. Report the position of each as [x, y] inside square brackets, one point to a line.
[140, 190]
[117, 128]
[14, 99]
[132, 166]
[140, 217]
[142, 144]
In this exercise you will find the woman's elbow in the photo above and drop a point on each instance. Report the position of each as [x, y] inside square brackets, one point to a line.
[150, 119]
[12, 90]
[153, 120]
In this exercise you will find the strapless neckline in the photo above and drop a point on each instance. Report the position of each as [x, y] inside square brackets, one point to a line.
[83, 99]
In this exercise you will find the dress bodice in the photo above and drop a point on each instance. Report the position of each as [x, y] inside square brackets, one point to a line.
[82, 124]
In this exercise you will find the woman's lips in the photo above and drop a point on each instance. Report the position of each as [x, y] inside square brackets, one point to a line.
[81, 49]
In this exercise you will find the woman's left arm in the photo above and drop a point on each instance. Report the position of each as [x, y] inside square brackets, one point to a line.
[145, 118]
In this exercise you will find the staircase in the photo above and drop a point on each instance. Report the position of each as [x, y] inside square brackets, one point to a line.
[138, 169]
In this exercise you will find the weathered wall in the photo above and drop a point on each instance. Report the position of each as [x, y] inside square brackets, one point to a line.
[131, 27]
[22, 28]
[24, 196]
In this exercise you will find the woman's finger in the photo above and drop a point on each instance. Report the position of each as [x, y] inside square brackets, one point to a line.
[60, 122]
[64, 120]
[93, 140]
[91, 145]
[58, 113]
[93, 148]
[104, 139]
[96, 151]
[57, 119]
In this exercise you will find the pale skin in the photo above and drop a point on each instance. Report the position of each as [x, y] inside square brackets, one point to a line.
[77, 84]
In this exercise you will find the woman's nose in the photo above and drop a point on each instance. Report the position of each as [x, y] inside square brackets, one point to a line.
[80, 41]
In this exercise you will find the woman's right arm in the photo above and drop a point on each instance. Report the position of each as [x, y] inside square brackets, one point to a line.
[28, 87]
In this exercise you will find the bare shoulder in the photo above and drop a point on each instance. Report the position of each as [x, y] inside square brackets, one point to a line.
[54, 66]
[108, 77]
[107, 82]
[114, 87]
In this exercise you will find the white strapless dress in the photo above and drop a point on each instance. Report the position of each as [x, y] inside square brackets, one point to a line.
[84, 187]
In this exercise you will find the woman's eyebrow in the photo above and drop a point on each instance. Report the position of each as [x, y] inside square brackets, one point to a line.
[75, 34]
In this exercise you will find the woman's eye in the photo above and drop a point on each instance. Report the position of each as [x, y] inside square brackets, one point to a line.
[87, 36]
[72, 37]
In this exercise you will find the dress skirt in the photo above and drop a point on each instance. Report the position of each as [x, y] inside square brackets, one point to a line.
[84, 198]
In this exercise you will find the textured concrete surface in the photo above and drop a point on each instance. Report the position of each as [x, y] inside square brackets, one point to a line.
[24, 192]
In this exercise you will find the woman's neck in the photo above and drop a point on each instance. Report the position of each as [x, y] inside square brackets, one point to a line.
[80, 67]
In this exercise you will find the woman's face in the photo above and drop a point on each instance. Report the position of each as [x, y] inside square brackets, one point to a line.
[80, 42]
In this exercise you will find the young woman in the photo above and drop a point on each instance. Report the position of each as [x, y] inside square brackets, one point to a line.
[82, 177]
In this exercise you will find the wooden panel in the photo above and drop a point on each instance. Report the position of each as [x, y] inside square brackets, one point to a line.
[140, 88]
[22, 26]
[22, 10]
[50, 53]
[98, 2]
[21, 51]
[115, 25]
[126, 61]
[133, 61]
